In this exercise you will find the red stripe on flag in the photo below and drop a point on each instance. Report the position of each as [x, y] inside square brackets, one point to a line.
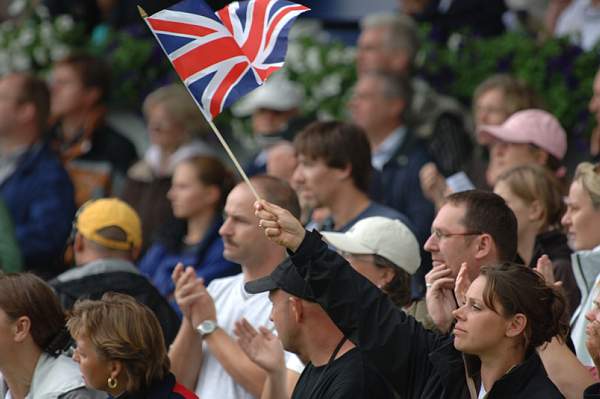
[205, 56]
[223, 13]
[179, 27]
[252, 44]
[264, 73]
[216, 102]
[282, 13]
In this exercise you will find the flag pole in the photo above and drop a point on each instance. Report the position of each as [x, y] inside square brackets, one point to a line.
[230, 153]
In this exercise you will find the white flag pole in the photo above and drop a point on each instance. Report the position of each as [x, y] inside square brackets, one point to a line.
[208, 118]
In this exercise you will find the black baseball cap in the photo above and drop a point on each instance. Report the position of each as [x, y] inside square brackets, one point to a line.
[284, 277]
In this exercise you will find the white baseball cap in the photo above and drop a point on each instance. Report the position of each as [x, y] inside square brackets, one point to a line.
[276, 94]
[389, 238]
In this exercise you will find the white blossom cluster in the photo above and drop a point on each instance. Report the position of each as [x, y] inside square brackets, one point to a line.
[31, 39]
[322, 67]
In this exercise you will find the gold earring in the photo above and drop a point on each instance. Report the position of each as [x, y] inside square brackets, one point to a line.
[112, 383]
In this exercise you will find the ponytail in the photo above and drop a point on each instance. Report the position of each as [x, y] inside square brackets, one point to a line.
[519, 289]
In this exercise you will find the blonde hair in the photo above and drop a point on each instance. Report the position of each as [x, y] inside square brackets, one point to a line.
[534, 182]
[179, 105]
[589, 176]
[122, 329]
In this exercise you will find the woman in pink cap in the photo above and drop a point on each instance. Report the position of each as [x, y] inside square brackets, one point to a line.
[531, 136]
[494, 100]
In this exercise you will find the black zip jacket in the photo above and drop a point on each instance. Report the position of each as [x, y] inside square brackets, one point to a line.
[417, 362]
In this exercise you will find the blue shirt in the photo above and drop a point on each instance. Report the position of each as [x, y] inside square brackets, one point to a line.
[374, 209]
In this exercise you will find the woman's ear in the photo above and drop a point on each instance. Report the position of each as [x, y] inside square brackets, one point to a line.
[536, 210]
[21, 329]
[516, 325]
[115, 368]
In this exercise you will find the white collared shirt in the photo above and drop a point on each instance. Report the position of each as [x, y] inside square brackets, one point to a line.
[388, 148]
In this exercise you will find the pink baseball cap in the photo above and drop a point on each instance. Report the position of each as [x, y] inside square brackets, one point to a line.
[534, 126]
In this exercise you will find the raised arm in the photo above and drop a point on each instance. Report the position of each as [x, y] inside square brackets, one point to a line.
[395, 343]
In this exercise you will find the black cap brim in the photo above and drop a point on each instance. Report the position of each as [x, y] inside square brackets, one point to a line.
[263, 284]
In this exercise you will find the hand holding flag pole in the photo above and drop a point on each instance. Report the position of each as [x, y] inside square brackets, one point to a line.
[224, 55]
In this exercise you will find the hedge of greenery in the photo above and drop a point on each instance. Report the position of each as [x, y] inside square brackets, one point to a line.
[561, 73]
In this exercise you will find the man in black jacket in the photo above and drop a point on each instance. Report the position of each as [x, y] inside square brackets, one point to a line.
[418, 363]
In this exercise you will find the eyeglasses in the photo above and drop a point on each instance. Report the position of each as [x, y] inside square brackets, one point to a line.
[440, 235]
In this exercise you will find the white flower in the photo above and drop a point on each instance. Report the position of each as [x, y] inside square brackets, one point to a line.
[334, 55]
[21, 62]
[454, 41]
[26, 37]
[64, 23]
[349, 55]
[294, 52]
[42, 11]
[40, 55]
[46, 29]
[7, 27]
[313, 59]
[58, 52]
[331, 85]
[16, 7]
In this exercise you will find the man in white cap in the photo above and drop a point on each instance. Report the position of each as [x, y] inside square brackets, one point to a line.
[528, 136]
[274, 109]
[386, 252]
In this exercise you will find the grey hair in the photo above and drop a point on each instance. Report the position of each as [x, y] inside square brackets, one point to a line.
[403, 32]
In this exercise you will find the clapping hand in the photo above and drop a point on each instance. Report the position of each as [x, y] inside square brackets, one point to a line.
[191, 296]
[262, 347]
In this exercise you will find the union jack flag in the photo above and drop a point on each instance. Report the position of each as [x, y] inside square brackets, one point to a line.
[222, 56]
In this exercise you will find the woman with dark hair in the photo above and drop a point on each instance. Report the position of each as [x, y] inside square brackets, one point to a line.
[535, 196]
[386, 252]
[121, 350]
[509, 311]
[32, 336]
[199, 188]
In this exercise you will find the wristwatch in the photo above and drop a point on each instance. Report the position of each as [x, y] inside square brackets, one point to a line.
[207, 327]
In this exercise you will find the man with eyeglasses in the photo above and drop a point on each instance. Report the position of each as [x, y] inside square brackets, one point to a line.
[473, 228]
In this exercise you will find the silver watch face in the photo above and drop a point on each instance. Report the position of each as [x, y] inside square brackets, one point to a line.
[207, 327]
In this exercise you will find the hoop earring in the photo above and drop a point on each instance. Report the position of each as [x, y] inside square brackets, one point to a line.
[112, 383]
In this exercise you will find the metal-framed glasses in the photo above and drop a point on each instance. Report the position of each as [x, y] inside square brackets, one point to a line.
[439, 235]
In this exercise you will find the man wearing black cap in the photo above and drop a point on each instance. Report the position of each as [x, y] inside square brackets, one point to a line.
[337, 368]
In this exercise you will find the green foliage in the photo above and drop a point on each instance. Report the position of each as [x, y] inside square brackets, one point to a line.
[32, 40]
[138, 66]
[561, 72]
[325, 70]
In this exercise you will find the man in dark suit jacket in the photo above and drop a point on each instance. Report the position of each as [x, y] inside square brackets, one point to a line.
[379, 104]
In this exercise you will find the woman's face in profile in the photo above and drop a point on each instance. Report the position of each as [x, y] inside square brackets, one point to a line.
[94, 368]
